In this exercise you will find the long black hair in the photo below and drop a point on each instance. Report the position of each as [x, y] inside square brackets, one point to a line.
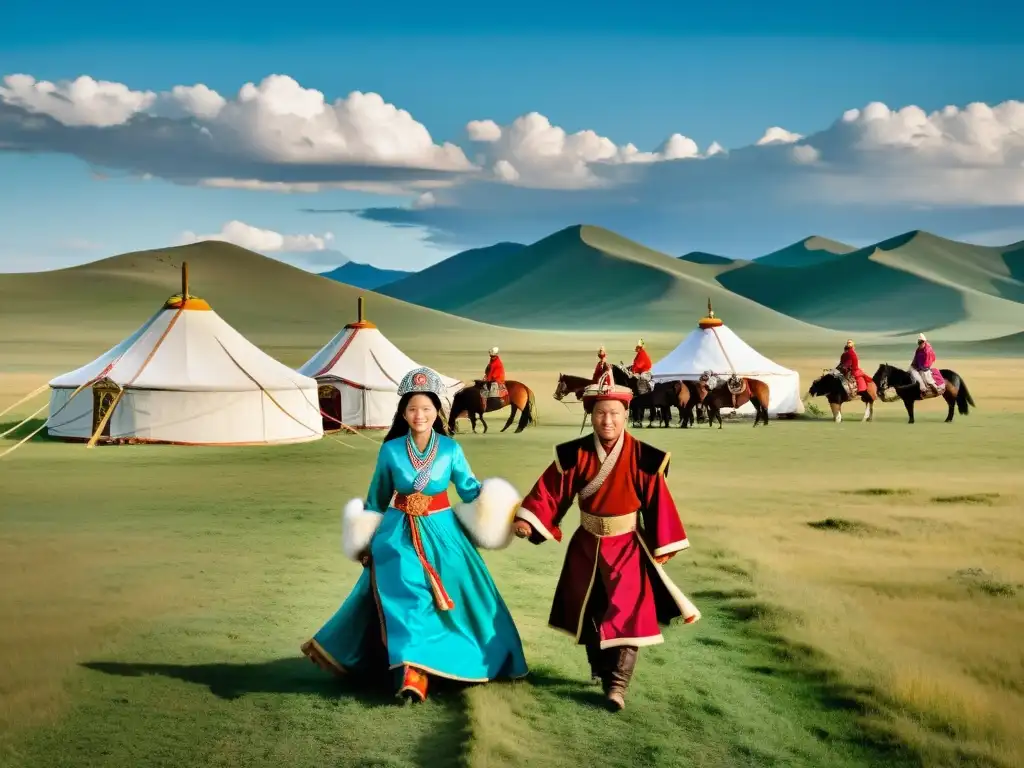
[400, 427]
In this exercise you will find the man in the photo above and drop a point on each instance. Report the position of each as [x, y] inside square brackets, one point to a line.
[642, 362]
[849, 366]
[922, 367]
[602, 366]
[494, 375]
[613, 592]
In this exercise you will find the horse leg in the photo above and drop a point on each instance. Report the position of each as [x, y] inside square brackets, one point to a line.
[524, 420]
[511, 417]
[951, 402]
[909, 403]
[837, 411]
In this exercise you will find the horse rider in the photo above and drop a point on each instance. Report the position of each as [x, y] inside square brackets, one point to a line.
[602, 366]
[494, 374]
[849, 366]
[924, 362]
[642, 362]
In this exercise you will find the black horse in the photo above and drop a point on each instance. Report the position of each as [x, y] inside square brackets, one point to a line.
[658, 402]
[954, 392]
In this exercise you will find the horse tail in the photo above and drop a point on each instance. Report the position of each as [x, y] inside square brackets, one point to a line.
[531, 406]
[963, 398]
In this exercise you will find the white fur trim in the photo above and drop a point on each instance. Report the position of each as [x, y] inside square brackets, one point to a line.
[488, 519]
[358, 525]
[526, 515]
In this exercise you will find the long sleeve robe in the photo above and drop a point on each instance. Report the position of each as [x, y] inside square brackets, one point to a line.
[850, 362]
[642, 362]
[495, 371]
[614, 579]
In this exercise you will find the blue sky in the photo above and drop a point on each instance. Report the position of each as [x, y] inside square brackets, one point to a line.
[634, 74]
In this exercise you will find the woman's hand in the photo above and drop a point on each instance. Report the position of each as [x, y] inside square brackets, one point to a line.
[662, 559]
[364, 559]
[523, 529]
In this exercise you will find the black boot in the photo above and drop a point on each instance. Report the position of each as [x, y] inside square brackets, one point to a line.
[621, 662]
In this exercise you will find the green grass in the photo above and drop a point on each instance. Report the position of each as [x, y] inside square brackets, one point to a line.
[160, 595]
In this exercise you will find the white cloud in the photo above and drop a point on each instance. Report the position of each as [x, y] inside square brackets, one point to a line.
[273, 131]
[531, 152]
[776, 135]
[483, 130]
[262, 240]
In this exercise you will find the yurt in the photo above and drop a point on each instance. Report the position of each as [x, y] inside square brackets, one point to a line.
[714, 347]
[359, 371]
[189, 378]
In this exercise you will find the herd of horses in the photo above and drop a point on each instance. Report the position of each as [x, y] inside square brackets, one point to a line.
[704, 399]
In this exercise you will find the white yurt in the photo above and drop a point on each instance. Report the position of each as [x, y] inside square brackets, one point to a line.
[359, 371]
[189, 378]
[714, 347]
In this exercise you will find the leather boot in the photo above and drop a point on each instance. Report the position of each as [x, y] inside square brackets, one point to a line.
[413, 686]
[622, 661]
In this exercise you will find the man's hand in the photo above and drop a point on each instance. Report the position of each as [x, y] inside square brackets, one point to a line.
[662, 559]
[364, 559]
[523, 529]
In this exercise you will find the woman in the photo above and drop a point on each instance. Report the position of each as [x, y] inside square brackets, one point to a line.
[425, 599]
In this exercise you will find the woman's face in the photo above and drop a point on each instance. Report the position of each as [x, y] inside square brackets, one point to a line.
[420, 414]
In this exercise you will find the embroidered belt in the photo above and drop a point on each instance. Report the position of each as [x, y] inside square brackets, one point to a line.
[415, 506]
[600, 525]
[419, 504]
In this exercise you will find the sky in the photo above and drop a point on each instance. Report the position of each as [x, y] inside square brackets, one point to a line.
[397, 139]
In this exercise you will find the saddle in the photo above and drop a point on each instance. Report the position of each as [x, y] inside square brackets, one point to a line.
[494, 395]
[848, 381]
[644, 383]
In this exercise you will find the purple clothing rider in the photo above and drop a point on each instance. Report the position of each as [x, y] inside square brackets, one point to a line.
[924, 360]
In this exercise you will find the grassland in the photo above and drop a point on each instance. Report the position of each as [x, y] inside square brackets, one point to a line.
[862, 584]
[862, 588]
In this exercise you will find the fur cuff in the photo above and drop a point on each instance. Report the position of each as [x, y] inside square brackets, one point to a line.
[358, 525]
[488, 519]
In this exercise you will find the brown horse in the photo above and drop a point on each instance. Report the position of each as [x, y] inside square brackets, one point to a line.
[889, 377]
[470, 402]
[754, 392]
[570, 385]
[831, 386]
[687, 399]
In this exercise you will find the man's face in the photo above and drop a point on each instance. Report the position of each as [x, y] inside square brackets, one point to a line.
[608, 419]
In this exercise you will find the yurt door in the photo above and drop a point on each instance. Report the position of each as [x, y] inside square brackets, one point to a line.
[330, 407]
[103, 396]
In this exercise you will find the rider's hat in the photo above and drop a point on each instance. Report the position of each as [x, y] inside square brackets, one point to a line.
[605, 389]
[492, 351]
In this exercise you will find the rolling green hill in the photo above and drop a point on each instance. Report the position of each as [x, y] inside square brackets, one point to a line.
[703, 257]
[807, 252]
[364, 275]
[587, 278]
[459, 274]
[76, 313]
[907, 284]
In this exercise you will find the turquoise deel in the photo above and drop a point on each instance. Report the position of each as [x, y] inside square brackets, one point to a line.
[477, 640]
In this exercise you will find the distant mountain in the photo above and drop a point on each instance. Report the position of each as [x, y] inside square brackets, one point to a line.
[451, 281]
[585, 278]
[364, 276]
[807, 252]
[914, 282]
[702, 257]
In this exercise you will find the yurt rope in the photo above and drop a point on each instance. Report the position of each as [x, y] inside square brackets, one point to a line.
[269, 395]
[25, 399]
[25, 421]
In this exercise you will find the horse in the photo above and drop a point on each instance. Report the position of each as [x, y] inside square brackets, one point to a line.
[830, 385]
[570, 385]
[954, 392]
[659, 400]
[754, 391]
[687, 399]
[471, 402]
[624, 378]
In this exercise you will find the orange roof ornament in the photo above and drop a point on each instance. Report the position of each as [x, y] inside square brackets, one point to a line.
[185, 300]
[710, 321]
[361, 322]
